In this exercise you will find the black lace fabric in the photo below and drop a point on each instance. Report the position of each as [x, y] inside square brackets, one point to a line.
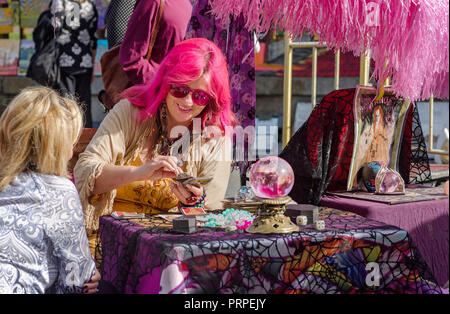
[320, 152]
[414, 147]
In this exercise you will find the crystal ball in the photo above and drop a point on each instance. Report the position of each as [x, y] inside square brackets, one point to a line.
[245, 193]
[390, 183]
[271, 177]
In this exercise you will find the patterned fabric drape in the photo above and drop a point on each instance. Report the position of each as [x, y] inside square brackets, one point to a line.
[237, 45]
[320, 152]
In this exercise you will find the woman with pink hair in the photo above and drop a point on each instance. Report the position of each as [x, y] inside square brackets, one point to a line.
[130, 161]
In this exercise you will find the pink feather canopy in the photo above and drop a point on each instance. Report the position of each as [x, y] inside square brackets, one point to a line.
[408, 39]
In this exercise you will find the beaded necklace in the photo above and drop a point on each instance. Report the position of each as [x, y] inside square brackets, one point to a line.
[164, 143]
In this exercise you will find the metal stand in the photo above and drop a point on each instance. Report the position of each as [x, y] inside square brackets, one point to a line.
[271, 218]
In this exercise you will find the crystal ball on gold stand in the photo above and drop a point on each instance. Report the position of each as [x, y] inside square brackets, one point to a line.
[271, 179]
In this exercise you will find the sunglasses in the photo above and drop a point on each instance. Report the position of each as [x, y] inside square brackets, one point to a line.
[199, 97]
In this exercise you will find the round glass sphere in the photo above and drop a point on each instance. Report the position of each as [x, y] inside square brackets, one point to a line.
[271, 177]
[245, 193]
[390, 183]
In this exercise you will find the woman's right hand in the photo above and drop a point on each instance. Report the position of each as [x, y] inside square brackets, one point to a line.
[158, 168]
[91, 286]
[114, 176]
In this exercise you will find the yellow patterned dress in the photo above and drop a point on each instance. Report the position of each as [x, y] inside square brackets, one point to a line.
[150, 197]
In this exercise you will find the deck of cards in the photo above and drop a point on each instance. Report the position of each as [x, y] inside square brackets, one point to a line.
[192, 211]
[127, 215]
[186, 179]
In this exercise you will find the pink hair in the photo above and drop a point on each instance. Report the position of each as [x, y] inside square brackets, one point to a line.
[186, 62]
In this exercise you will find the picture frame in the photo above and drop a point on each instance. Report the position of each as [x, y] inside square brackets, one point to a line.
[379, 124]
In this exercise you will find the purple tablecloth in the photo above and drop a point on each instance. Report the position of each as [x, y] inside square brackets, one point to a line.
[426, 222]
[352, 255]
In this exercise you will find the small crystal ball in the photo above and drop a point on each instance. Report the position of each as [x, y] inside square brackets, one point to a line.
[390, 183]
[271, 177]
[245, 193]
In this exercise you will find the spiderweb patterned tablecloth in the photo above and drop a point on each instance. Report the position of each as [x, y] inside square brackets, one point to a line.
[352, 255]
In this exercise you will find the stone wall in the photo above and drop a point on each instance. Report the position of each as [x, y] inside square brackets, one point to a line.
[10, 86]
[269, 93]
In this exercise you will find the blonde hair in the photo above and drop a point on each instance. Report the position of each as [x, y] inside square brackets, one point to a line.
[37, 132]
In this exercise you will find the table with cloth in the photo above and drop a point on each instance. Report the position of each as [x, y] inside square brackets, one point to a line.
[147, 256]
[427, 223]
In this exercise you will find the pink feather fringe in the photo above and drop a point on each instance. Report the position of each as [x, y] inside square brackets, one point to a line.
[408, 39]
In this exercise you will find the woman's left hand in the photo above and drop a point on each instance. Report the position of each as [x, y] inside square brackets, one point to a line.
[188, 195]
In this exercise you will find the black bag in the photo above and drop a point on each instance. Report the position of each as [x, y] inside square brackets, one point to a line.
[44, 67]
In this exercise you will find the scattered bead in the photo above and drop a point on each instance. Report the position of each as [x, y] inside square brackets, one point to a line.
[230, 217]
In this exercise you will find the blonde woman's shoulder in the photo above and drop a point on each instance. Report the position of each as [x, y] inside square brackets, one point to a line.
[56, 182]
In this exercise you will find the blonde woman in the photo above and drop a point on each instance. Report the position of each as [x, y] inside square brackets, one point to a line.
[43, 242]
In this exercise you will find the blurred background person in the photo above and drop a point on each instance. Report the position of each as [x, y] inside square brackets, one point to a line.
[43, 32]
[135, 45]
[75, 24]
[117, 18]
